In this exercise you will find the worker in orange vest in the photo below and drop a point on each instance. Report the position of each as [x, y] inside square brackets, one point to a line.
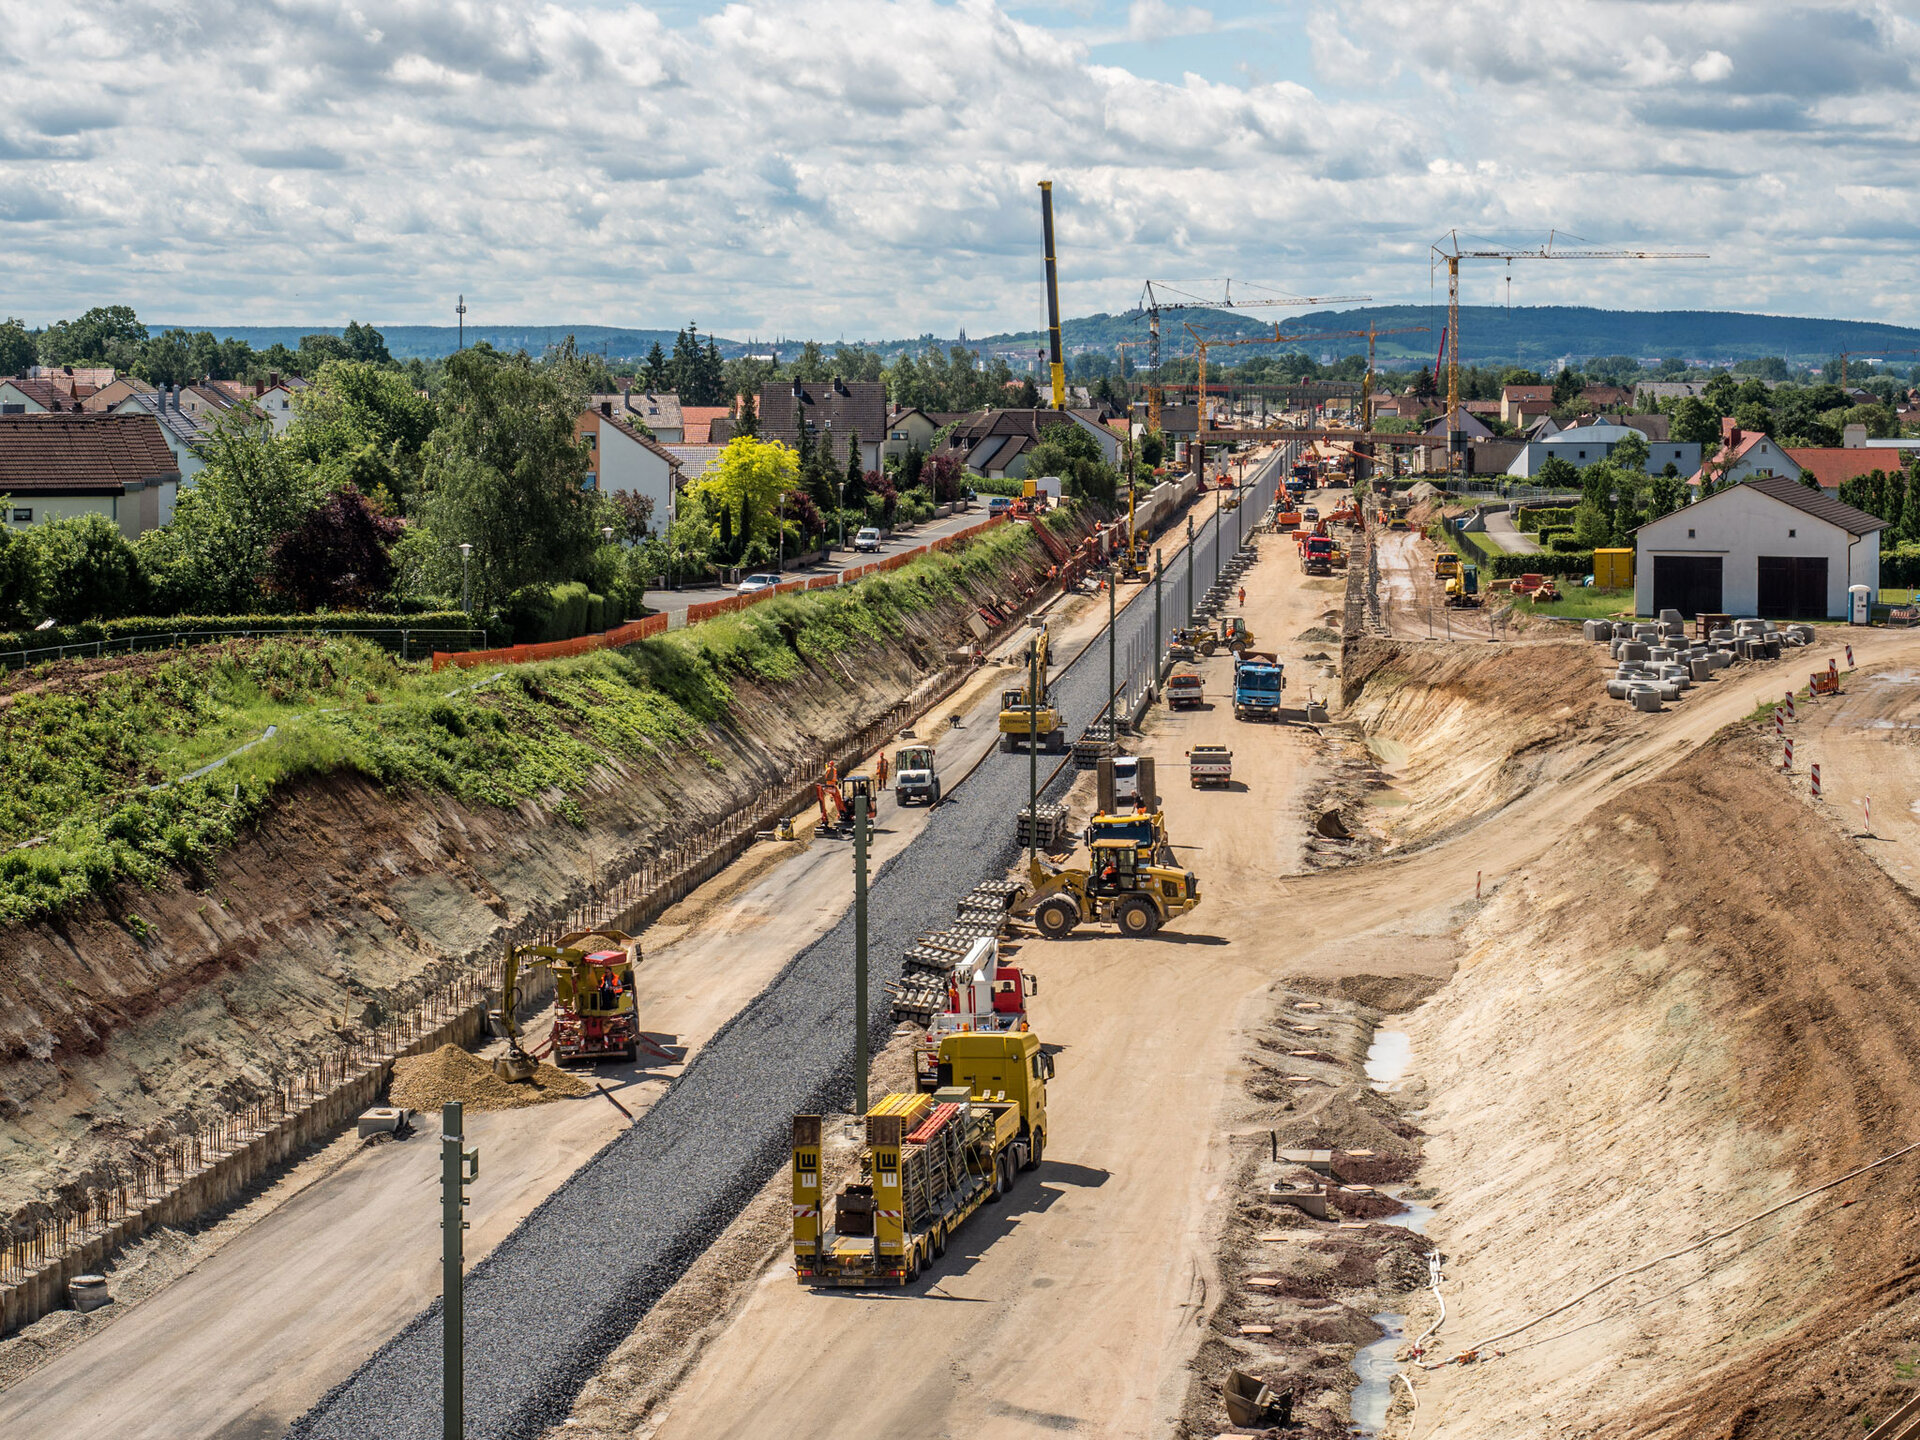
[883, 772]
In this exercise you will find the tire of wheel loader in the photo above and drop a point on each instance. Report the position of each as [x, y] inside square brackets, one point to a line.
[1056, 918]
[1138, 919]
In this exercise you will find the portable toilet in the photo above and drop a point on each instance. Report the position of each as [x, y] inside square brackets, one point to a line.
[1859, 605]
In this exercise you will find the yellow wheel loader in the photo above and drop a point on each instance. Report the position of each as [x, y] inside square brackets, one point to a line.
[1119, 886]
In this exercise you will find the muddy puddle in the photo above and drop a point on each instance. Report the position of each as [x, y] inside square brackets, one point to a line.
[1388, 1057]
[1376, 1367]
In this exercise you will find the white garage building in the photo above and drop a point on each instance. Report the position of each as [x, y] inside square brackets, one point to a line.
[1769, 546]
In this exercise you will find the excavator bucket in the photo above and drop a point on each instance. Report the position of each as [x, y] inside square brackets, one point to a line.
[515, 1067]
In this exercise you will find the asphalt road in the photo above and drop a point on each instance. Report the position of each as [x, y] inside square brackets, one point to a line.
[558, 1294]
[676, 602]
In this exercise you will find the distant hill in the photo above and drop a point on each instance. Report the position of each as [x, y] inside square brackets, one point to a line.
[428, 342]
[1534, 336]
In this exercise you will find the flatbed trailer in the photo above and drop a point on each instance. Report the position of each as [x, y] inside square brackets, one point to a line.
[928, 1162]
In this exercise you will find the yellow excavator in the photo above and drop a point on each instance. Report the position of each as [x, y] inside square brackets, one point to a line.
[1118, 885]
[595, 1014]
[1025, 714]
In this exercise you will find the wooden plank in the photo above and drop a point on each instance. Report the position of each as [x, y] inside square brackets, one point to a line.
[1256, 1329]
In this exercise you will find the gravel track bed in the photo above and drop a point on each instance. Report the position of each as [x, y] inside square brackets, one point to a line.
[555, 1298]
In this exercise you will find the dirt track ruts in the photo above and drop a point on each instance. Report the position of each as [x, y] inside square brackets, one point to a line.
[554, 1299]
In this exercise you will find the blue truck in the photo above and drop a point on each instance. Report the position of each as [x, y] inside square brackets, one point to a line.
[1258, 680]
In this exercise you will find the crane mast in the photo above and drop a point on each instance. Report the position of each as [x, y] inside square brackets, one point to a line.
[1053, 299]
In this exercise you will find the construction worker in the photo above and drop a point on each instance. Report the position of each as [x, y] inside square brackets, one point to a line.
[1243, 597]
[882, 778]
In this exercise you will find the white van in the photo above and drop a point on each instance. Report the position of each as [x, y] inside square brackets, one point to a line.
[867, 541]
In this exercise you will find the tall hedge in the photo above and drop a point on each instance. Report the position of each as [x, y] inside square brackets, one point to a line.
[187, 626]
[1576, 562]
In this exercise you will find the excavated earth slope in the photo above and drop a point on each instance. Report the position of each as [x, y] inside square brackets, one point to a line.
[1702, 1004]
[346, 901]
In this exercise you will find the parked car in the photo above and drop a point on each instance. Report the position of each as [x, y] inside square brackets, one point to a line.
[755, 583]
[868, 540]
[999, 505]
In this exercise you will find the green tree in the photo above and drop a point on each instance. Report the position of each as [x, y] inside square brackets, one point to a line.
[317, 349]
[366, 344]
[654, 372]
[748, 480]
[1694, 422]
[361, 422]
[1557, 473]
[109, 333]
[505, 474]
[215, 555]
[1751, 418]
[1665, 494]
[85, 569]
[19, 580]
[853, 487]
[1067, 450]
[748, 421]
[1566, 386]
[1630, 453]
[1721, 393]
[17, 348]
[1029, 396]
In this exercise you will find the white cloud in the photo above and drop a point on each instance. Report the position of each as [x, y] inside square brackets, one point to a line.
[867, 167]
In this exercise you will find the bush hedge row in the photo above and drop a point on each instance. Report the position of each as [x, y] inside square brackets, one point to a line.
[88, 631]
[1559, 563]
[1900, 568]
[1534, 519]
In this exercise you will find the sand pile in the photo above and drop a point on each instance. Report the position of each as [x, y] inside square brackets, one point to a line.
[426, 1082]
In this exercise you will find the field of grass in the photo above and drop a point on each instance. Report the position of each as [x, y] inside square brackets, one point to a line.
[1585, 604]
[84, 747]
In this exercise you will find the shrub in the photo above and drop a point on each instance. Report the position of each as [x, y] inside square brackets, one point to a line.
[1567, 544]
[1535, 519]
[188, 626]
[1557, 563]
[85, 568]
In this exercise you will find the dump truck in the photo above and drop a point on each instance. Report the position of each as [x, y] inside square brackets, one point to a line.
[984, 995]
[1185, 690]
[914, 777]
[1316, 556]
[1209, 765]
[1032, 717]
[1117, 886]
[1258, 681]
[927, 1162]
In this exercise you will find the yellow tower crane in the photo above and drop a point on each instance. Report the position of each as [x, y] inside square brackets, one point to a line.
[1449, 249]
[1053, 298]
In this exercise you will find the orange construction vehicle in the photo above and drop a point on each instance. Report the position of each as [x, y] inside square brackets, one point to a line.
[837, 797]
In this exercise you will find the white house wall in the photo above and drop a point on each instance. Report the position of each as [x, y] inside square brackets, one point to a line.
[622, 464]
[1740, 525]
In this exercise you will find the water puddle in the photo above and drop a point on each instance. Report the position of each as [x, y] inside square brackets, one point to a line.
[1414, 1217]
[1376, 1367]
[1895, 677]
[1389, 799]
[1388, 1057]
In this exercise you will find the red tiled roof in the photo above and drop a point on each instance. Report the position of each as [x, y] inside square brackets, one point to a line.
[1832, 464]
[41, 392]
[1530, 393]
[696, 422]
[76, 454]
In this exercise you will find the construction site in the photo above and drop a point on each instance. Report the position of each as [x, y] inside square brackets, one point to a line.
[1193, 968]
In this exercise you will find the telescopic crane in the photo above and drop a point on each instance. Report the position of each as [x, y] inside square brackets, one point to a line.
[1448, 248]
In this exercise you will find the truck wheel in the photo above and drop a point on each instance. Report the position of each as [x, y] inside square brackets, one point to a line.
[939, 1241]
[998, 1185]
[1039, 1148]
[934, 797]
[913, 1264]
[1056, 918]
[1137, 918]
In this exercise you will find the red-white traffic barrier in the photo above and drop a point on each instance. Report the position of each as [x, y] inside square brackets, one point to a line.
[1866, 804]
[1790, 711]
[1787, 764]
[1816, 779]
[1779, 723]
[1849, 657]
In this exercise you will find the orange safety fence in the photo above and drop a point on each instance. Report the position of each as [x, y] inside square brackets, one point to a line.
[654, 624]
[554, 649]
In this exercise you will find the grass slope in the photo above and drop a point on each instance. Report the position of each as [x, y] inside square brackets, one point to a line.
[86, 745]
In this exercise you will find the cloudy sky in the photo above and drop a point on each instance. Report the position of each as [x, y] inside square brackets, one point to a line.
[867, 168]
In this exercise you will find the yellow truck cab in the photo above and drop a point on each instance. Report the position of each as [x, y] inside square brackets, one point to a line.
[928, 1163]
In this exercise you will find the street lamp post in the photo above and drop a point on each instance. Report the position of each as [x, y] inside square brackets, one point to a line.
[466, 602]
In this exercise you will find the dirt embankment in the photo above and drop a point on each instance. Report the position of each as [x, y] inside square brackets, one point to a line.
[1443, 736]
[1701, 1006]
[123, 1023]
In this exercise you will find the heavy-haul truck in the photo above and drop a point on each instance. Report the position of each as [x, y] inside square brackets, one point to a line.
[928, 1162]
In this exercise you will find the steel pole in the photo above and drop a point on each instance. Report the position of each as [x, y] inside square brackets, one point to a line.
[452, 1277]
[1033, 752]
[860, 952]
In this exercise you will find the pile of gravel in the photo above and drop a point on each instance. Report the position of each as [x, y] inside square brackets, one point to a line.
[424, 1083]
[547, 1307]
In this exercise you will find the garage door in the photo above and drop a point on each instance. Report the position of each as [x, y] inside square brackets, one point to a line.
[1793, 587]
[1687, 583]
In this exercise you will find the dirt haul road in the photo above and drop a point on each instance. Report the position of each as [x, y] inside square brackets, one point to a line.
[1073, 1305]
[1076, 1305]
[224, 1350]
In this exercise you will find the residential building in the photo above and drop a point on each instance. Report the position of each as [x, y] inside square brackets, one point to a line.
[694, 460]
[1768, 546]
[1746, 455]
[1652, 392]
[110, 396]
[1584, 445]
[26, 395]
[912, 429]
[1604, 397]
[1469, 424]
[1517, 398]
[697, 422]
[658, 410]
[995, 443]
[55, 465]
[832, 410]
[275, 400]
[627, 462]
[184, 435]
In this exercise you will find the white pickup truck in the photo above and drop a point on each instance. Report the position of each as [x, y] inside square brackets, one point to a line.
[1209, 765]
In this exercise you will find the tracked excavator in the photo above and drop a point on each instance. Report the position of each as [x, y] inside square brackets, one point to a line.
[595, 1015]
[1029, 712]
